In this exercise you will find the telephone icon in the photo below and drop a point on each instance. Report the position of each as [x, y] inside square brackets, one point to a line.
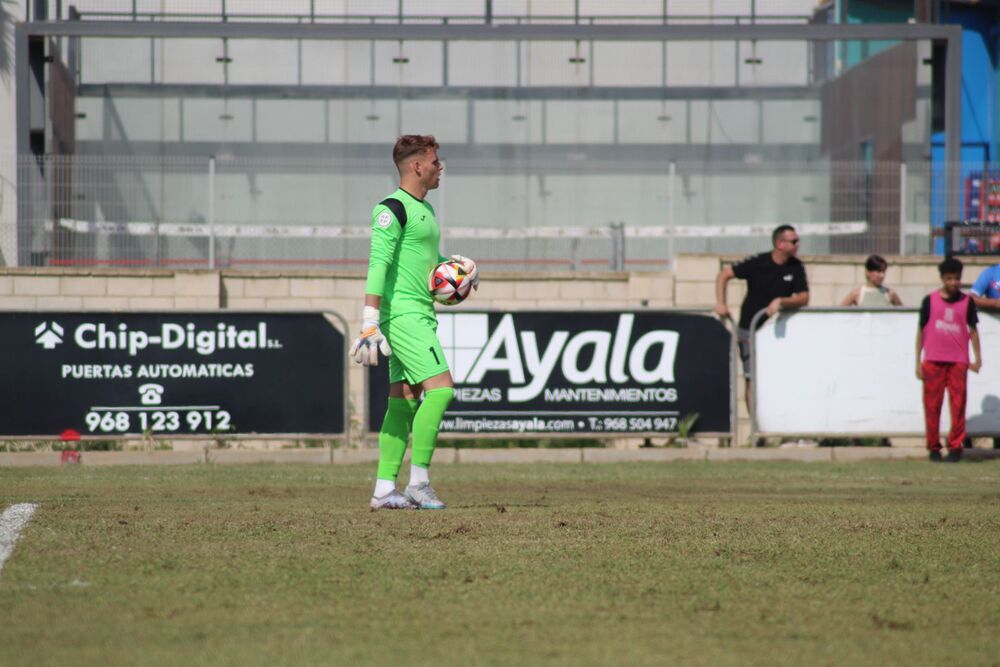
[151, 394]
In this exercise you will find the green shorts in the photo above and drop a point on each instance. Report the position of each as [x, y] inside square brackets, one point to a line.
[416, 350]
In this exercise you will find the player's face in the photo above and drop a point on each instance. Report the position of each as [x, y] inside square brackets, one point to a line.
[952, 282]
[430, 169]
[876, 278]
[789, 243]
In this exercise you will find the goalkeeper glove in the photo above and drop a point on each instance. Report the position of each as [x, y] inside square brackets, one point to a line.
[367, 345]
[470, 269]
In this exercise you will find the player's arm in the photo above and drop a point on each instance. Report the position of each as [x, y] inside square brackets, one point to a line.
[852, 298]
[980, 289]
[920, 347]
[894, 298]
[984, 302]
[721, 280]
[977, 362]
[797, 300]
[972, 320]
[386, 233]
[923, 318]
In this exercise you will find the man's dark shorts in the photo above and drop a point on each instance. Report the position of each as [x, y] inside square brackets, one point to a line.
[743, 338]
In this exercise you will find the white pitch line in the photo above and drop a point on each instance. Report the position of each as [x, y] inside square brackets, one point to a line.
[12, 522]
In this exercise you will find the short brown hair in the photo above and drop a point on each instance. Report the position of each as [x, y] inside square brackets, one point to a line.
[876, 263]
[409, 145]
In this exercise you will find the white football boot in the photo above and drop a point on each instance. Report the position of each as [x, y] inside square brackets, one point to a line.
[423, 496]
[394, 500]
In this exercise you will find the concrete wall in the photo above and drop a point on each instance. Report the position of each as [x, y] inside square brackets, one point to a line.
[10, 11]
[692, 285]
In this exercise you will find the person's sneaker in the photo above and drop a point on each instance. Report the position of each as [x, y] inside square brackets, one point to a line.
[394, 500]
[935, 456]
[954, 456]
[423, 497]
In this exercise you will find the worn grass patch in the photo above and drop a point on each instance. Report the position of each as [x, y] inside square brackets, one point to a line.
[647, 564]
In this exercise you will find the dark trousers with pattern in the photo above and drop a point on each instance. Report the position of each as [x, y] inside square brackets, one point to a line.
[938, 376]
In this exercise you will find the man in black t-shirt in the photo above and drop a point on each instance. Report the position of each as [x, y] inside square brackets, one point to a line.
[776, 281]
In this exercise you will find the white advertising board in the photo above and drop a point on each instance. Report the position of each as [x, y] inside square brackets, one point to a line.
[852, 372]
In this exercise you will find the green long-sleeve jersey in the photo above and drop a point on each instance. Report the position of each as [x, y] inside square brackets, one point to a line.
[403, 256]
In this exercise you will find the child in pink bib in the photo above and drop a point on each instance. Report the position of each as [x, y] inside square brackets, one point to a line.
[947, 325]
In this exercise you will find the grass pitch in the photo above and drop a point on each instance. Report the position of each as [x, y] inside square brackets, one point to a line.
[644, 564]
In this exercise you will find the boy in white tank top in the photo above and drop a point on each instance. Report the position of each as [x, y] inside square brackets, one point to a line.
[873, 294]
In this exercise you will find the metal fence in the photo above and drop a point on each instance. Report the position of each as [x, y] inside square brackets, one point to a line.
[221, 212]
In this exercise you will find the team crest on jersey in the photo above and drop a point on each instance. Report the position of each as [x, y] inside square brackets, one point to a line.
[384, 219]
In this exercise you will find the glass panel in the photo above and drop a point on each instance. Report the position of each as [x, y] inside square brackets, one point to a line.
[447, 120]
[652, 122]
[144, 119]
[89, 119]
[508, 122]
[628, 64]
[336, 63]
[482, 64]
[650, 8]
[579, 122]
[273, 10]
[701, 64]
[291, 120]
[724, 122]
[217, 120]
[774, 63]
[192, 7]
[119, 60]
[549, 63]
[189, 61]
[363, 121]
[408, 64]
[791, 121]
[263, 62]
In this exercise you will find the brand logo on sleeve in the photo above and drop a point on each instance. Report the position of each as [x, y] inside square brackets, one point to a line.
[384, 219]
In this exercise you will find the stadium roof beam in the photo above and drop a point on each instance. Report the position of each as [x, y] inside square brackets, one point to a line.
[949, 35]
[291, 91]
[478, 32]
[473, 158]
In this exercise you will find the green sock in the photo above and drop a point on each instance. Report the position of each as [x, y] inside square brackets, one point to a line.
[427, 422]
[393, 436]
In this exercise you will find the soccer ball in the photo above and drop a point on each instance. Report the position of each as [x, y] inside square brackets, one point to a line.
[449, 283]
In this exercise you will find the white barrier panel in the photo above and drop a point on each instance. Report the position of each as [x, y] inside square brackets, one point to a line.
[852, 372]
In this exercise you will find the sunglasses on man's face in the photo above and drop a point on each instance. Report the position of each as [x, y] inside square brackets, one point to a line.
[792, 241]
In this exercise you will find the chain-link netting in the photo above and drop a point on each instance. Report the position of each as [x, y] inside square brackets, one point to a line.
[270, 212]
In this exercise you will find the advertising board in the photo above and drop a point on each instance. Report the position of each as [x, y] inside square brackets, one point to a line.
[555, 372]
[178, 374]
[853, 372]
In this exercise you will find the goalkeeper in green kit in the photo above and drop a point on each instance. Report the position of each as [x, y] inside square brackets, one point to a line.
[399, 321]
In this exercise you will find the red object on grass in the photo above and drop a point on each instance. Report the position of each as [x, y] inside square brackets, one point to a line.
[69, 456]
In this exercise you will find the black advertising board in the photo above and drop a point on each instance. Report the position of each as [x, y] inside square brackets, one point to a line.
[579, 372]
[170, 374]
